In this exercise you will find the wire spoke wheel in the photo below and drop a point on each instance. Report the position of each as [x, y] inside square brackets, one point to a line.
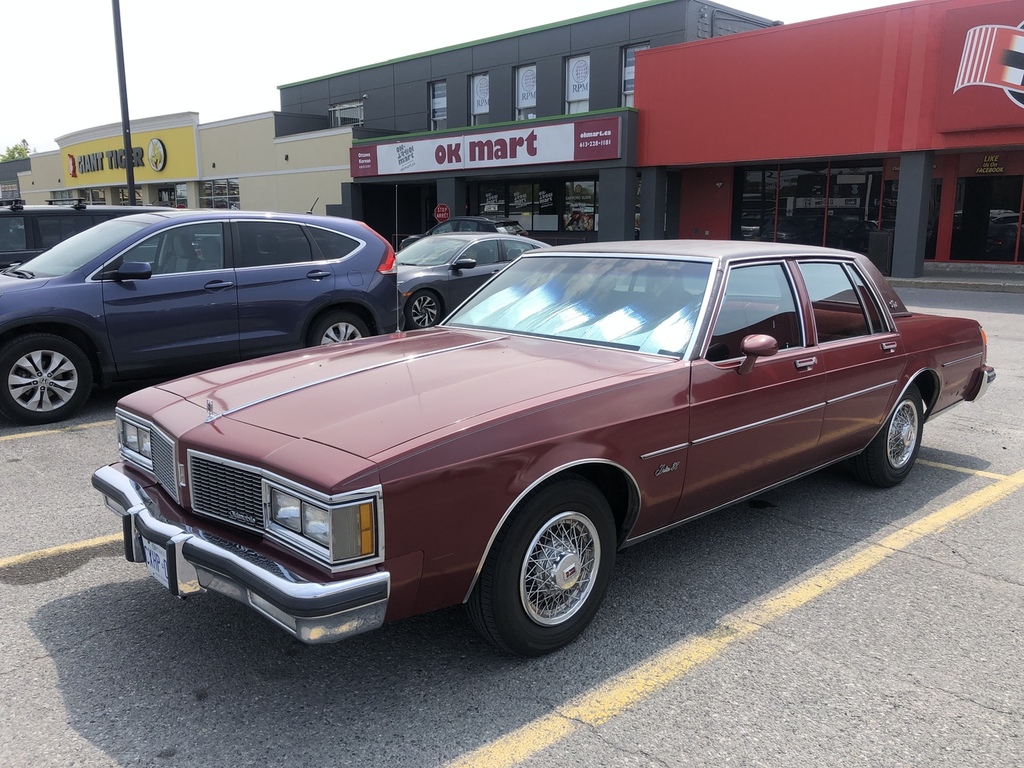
[902, 435]
[558, 572]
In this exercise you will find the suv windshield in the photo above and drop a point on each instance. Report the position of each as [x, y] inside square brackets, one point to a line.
[649, 305]
[77, 251]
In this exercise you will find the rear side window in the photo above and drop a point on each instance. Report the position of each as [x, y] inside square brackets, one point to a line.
[333, 245]
[12, 233]
[758, 299]
[843, 307]
[271, 243]
[516, 248]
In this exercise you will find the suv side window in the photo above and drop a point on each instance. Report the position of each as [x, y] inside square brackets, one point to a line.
[12, 233]
[271, 243]
[333, 245]
[758, 299]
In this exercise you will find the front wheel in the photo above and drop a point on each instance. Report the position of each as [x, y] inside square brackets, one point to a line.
[889, 458]
[337, 326]
[548, 570]
[46, 378]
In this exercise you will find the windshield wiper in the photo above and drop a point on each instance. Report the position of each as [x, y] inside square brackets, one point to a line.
[22, 273]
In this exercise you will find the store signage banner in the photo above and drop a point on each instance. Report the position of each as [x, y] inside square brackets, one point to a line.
[578, 141]
[981, 82]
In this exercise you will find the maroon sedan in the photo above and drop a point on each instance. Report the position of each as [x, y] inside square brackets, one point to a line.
[586, 398]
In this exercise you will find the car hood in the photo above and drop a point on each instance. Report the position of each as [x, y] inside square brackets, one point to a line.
[373, 396]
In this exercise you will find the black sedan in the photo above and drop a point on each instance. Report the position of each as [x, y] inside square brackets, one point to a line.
[438, 273]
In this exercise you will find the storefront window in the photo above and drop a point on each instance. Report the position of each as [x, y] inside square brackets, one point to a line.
[181, 196]
[580, 212]
[222, 194]
[492, 200]
[986, 219]
[812, 204]
[523, 203]
[887, 219]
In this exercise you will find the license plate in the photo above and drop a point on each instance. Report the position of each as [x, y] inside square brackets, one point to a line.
[156, 562]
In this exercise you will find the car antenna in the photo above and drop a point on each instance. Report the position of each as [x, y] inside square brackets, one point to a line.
[310, 211]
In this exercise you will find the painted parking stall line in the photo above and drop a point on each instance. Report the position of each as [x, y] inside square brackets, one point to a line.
[632, 687]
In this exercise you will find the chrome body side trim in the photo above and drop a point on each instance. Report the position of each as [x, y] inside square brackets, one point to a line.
[745, 427]
[663, 451]
[860, 392]
[198, 562]
[531, 487]
[962, 359]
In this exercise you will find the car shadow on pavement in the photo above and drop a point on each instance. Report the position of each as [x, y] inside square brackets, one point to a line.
[152, 680]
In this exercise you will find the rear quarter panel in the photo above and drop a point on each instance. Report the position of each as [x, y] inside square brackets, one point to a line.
[952, 347]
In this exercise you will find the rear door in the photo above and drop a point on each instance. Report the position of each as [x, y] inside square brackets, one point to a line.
[860, 351]
[185, 317]
[283, 279]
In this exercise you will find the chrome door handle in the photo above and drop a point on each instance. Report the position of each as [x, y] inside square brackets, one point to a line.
[807, 362]
[888, 346]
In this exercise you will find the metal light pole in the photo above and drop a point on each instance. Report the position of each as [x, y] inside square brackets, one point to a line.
[126, 130]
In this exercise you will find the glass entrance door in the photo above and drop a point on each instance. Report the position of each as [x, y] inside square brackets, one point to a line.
[986, 220]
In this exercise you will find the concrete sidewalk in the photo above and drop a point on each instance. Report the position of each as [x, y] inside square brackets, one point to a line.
[1000, 278]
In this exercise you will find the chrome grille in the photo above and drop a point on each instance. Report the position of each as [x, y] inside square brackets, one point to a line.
[226, 491]
[163, 462]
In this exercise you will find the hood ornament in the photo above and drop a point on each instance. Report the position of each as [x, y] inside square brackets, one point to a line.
[210, 415]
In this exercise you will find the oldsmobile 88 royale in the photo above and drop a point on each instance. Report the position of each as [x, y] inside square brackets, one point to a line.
[585, 399]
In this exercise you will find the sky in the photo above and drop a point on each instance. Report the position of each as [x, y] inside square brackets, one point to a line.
[226, 58]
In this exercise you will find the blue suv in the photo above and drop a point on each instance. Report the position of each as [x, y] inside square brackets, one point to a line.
[164, 293]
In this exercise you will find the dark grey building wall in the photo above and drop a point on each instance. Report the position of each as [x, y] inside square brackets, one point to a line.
[396, 94]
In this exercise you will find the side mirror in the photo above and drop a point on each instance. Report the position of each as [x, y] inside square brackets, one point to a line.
[464, 263]
[754, 346]
[134, 270]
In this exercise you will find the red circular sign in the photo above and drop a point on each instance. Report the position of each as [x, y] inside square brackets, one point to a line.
[442, 212]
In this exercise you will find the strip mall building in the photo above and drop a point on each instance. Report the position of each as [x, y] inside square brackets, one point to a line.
[897, 132]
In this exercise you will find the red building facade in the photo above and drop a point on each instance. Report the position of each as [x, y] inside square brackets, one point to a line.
[897, 132]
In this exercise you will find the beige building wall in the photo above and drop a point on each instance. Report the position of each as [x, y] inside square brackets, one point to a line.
[47, 174]
[285, 174]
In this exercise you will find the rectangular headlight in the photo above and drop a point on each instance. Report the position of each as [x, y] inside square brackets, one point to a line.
[136, 439]
[285, 510]
[335, 530]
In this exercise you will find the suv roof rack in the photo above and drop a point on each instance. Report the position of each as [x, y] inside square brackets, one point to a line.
[14, 203]
[78, 203]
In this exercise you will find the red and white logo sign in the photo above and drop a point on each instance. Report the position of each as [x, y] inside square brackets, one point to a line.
[993, 56]
[442, 212]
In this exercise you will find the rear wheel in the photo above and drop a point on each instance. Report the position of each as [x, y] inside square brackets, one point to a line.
[46, 378]
[337, 326]
[889, 458]
[548, 570]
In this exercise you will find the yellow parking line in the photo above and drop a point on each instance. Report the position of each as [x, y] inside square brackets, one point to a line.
[40, 433]
[42, 554]
[965, 470]
[601, 704]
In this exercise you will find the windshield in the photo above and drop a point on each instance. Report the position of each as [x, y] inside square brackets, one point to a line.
[77, 251]
[430, 251]
[650, 305]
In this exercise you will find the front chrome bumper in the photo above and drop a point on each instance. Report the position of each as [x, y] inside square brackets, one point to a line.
[198, 561]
